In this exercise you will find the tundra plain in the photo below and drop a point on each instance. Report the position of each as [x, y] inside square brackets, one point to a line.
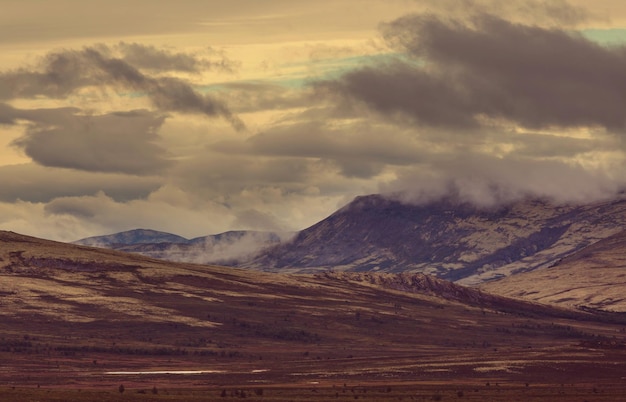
[80, 323]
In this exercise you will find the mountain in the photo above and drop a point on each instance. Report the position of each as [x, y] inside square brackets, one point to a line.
[136, 236]
[447, 238]
[224, 248]
[82, 318]
[593, 278]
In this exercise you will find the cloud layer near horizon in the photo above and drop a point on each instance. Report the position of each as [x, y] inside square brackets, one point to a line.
[487, 101]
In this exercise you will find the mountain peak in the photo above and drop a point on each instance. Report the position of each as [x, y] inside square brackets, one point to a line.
[449, 238]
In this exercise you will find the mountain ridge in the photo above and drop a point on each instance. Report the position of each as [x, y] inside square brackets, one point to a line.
[450, 239]
[225, 248]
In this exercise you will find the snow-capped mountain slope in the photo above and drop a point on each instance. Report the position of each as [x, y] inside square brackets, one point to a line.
[450, 239]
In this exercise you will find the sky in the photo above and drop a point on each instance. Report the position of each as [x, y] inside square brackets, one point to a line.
[197, 117]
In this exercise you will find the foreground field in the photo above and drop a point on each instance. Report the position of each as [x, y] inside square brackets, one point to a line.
[78, 323]
[369, 392]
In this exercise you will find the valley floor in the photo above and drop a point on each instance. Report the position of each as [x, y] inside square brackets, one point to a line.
[373, 392]
[574, 374]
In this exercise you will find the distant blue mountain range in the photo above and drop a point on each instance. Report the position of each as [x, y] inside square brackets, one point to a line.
[227, 248]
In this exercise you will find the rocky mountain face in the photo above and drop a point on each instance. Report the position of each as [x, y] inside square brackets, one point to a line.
[449, 239]
[224, 248]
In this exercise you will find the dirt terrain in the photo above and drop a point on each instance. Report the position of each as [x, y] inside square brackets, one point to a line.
[78, 323]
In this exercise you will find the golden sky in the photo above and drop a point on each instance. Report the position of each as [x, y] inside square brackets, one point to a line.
[197, 117]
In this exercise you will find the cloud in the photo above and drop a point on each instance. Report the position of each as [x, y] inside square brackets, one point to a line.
[158, 59]
[224, 175]
[284, 193]
[38, 184]
[551, 146]
[153, 212]
[494, 102]
[359, 150]
[487, 181]
[253, 219]
[397, 87]
[64, 72]
[468, 73]
[258, 96]
[558, 13]
[86, 207]
[121, 142]
[225, 248]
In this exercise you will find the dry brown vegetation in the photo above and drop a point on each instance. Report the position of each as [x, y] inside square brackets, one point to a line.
[590, 279]
[72, 315]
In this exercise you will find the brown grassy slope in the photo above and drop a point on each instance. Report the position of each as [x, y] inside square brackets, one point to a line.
[594, 277]
[71, 314]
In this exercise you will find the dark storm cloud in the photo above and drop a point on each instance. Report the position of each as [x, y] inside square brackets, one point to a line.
[231, 173]
[120, 142]
[64, 72]
[542, 145]
[34, 183]
[361, 151]
[398, 87]
[7, 114]
[458, 73]
[75, 206]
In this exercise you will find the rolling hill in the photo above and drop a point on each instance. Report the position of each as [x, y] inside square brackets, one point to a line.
[82, 317]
